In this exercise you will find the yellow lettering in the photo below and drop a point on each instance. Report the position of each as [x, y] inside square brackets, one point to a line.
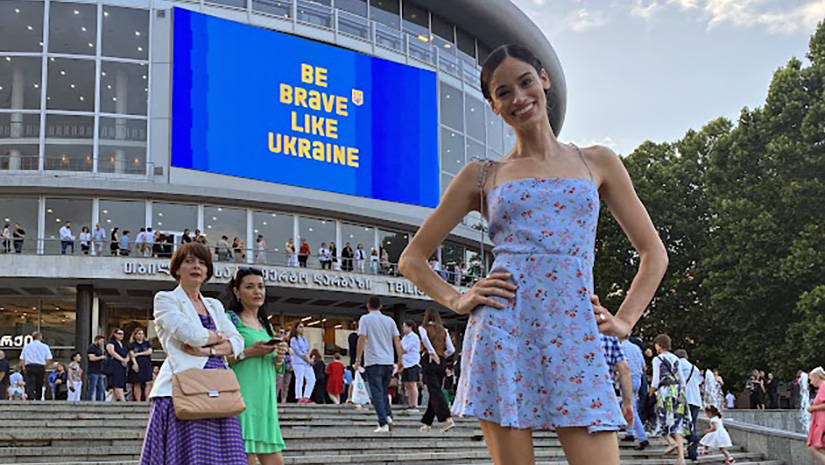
[289, 145]
[306, 73]
[352, 157]
[329, 102]
[317, 125]
[300, 97]
[339, 155]
[303, 148]
[274, 148]
[295, 126]
[286, 94]
[341, 106]
[318, 150]
[321, 77]
[332, 128]
[315, 100]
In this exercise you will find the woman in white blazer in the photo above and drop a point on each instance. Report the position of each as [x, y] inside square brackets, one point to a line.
[195, 333]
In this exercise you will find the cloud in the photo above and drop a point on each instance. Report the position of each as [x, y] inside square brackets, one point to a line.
[606, 141]
[773, 15]
[582, 20]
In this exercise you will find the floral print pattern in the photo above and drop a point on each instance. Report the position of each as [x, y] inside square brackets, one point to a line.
[538, 363]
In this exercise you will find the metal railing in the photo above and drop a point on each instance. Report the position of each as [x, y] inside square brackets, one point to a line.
[220, 254]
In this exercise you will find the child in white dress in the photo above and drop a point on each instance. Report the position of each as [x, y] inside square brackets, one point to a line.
[716, 436]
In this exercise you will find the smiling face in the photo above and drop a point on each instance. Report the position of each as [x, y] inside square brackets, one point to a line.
[192, 271]
[518, 93]
[251, 292]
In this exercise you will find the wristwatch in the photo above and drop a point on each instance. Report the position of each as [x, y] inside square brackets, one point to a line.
[213, 351]
[240, 357]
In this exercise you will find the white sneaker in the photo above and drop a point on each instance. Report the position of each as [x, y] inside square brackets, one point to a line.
[382, 429]
[389, 421]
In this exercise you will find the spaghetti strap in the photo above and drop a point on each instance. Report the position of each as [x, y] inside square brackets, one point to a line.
[484, 172]
[581, 155]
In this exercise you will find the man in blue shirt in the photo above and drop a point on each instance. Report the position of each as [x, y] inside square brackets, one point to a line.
[617, 365]
[636, 362]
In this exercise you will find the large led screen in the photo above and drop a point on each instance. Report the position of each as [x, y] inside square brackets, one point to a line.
[258, 104]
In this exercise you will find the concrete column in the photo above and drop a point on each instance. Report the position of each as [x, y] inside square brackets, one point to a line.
[16, 118]
[83, 319]
[121, 91]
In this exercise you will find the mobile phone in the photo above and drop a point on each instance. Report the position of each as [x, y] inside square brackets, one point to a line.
[274, 341]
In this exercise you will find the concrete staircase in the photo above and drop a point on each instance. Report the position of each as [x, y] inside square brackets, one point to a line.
[109, 433]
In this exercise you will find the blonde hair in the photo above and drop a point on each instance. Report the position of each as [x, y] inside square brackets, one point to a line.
[819, 372]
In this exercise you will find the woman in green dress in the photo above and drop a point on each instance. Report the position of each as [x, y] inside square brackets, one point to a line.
[256, 367]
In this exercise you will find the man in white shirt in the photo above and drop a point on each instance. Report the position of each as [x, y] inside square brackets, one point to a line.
[140, 241]
[35, 356]
[377, 335]
[693, 378]
[324, 257]
[66, 238]
[149, 239]
[98, 238]
[730, 401]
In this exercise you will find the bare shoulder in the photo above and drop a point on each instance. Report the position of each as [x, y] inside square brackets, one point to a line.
[605, 163]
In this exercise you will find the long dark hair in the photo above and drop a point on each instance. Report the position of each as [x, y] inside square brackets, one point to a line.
[498, 56]
[431, 316]
[231, 302]
[714, 412]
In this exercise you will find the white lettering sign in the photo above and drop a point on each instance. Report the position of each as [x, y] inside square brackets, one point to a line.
[18, 341]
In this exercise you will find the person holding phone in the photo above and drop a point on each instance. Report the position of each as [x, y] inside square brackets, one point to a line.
[244, 298]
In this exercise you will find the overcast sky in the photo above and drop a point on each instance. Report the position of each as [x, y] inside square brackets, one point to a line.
[652, 69]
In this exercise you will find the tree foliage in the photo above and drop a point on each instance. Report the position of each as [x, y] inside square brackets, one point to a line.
[740, 210]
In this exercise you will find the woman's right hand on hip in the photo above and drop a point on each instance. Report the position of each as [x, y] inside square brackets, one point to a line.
[495, 284]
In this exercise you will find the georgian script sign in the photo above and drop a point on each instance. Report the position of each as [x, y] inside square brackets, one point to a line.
[293, 278]
[15, 342]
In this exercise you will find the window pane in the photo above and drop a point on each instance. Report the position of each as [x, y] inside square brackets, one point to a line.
[509, 139]
[314, 13]
[357, 235]
[452, 107]
[276, 229]
[466, 43]
[126, 215]
[125, 33]
[57, 322]
[386, 12]
[18, 319]
[452, 151]
[315, 232]
[22, 211]
[442, 28]
[69, 142]
[358, 7]
[474, 112]
[122, 146]
[494, 130]
[394, 243]
[21, 26]
[19, 141]
[483, 52]
[389, 37]
[20, 82]
[124, 88]
[58, 212]
[72, 28]
[175, 217]
[474, 149]
[273, 7]
[446, 179]
[71, 84]
[229, 222]
[416, 20]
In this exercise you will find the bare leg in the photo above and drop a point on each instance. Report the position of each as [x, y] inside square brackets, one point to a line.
[583, 448]
[136, 392]
[412, 394]
[725, 453]
[508, 446]
[148, 390]
[118, 395]
[271, 459]
[680, 449]
[818, 454]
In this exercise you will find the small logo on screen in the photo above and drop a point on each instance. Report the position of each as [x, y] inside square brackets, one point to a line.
[357, 97]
